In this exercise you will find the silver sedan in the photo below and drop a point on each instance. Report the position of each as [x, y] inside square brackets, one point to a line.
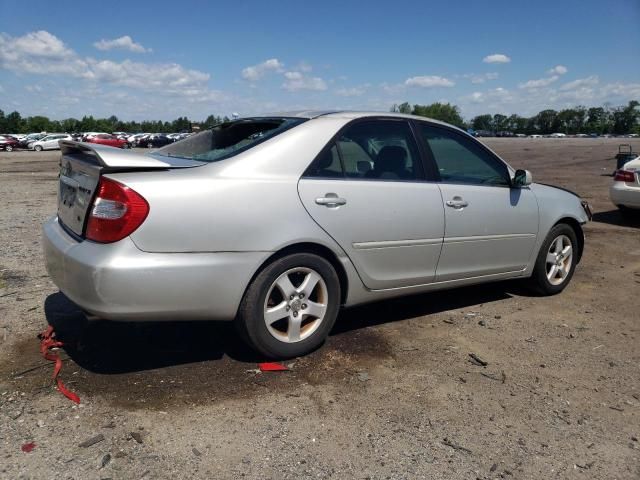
[275, 222]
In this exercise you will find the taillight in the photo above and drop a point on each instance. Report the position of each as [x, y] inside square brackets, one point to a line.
[624, 176]
[116, 212]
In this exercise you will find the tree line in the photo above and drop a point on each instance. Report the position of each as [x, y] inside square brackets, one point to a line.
[600, 120]
[15, 123]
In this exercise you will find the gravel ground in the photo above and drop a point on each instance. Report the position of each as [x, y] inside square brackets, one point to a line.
[392, 395]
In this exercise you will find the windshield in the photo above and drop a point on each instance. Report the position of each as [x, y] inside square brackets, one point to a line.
[229, 139]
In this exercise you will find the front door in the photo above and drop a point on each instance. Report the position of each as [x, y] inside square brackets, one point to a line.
[367, 190]
[491, 228]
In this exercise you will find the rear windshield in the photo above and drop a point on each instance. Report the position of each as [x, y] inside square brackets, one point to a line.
[228, 139]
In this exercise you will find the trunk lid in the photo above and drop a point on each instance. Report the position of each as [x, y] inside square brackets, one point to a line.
[81, 165]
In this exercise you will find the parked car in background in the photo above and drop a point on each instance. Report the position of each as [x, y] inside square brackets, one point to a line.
[30, 138]
[110, 140]
[484, 133]
[275, 222]
[8, 143]
[154, 141]
[88, 135]
[557, 135]
[625, 189]
[133, 139]
[50, 142]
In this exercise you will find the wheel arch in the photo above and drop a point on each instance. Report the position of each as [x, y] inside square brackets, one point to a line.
[309, 247]
[577, 228]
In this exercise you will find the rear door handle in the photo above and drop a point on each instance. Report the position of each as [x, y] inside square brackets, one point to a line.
[457, 203]
[331, 200]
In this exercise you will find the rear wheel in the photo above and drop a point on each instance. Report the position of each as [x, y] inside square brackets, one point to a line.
[291, 306]
[38, 148]
[126, 145]
[8, 148]
[556, 260]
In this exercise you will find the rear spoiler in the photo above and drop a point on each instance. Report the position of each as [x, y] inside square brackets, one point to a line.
[117, 158]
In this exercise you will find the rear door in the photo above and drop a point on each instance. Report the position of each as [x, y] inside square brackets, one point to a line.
[368, 191]
[491, 228]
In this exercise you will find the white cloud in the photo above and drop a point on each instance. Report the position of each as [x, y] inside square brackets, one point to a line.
[581, 82]
[125, 43]
[37, 44]
[39, 52]
[477, 78]
[539, 83]
[42, 53]
[256, 72]
[146, 76]
[428, 81]
[356, 91]
[296, 81]
[558, 70]
[496, 58]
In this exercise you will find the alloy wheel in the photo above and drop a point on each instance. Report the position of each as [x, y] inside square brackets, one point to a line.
[295, 305]
[559, 260]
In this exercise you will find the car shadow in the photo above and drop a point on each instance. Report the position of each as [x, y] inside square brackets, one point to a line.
[615, 217]
[109, 347]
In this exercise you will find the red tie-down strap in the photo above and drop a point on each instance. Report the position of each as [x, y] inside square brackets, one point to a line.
[47, 342]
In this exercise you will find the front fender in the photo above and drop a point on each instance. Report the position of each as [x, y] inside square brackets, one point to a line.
[557, 205]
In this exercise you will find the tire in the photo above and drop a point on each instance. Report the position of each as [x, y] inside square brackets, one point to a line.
[550, 278]
[38, 148]
[277, 300]
[9, 148]
[126, 146]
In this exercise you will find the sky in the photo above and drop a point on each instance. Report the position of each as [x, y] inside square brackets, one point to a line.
[161, 60]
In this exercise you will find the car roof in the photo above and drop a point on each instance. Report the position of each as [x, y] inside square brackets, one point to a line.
[346, 114]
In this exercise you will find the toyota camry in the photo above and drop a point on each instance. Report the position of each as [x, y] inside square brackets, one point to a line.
[276, 222]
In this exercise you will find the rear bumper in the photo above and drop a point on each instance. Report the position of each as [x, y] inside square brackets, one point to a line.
[120, 282]
[623, 195]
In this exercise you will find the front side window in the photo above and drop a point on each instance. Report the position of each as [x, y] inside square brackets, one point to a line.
[461, 160]
[371, 150]
[228, 139]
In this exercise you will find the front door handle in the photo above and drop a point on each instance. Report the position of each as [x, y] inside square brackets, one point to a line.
[331, 200]
[457, 202]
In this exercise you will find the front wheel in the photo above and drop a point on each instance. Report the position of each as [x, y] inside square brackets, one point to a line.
[8, 148]
[556, 260]
[38, 148]
[291, 306]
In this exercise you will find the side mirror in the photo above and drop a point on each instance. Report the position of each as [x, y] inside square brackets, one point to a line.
[522, 178]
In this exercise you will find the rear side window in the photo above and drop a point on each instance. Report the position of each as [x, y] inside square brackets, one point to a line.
[461, 160]
[327, 164]
[371, 150]
[229, 139]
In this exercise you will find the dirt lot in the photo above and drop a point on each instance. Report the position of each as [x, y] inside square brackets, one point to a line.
[386, 397]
